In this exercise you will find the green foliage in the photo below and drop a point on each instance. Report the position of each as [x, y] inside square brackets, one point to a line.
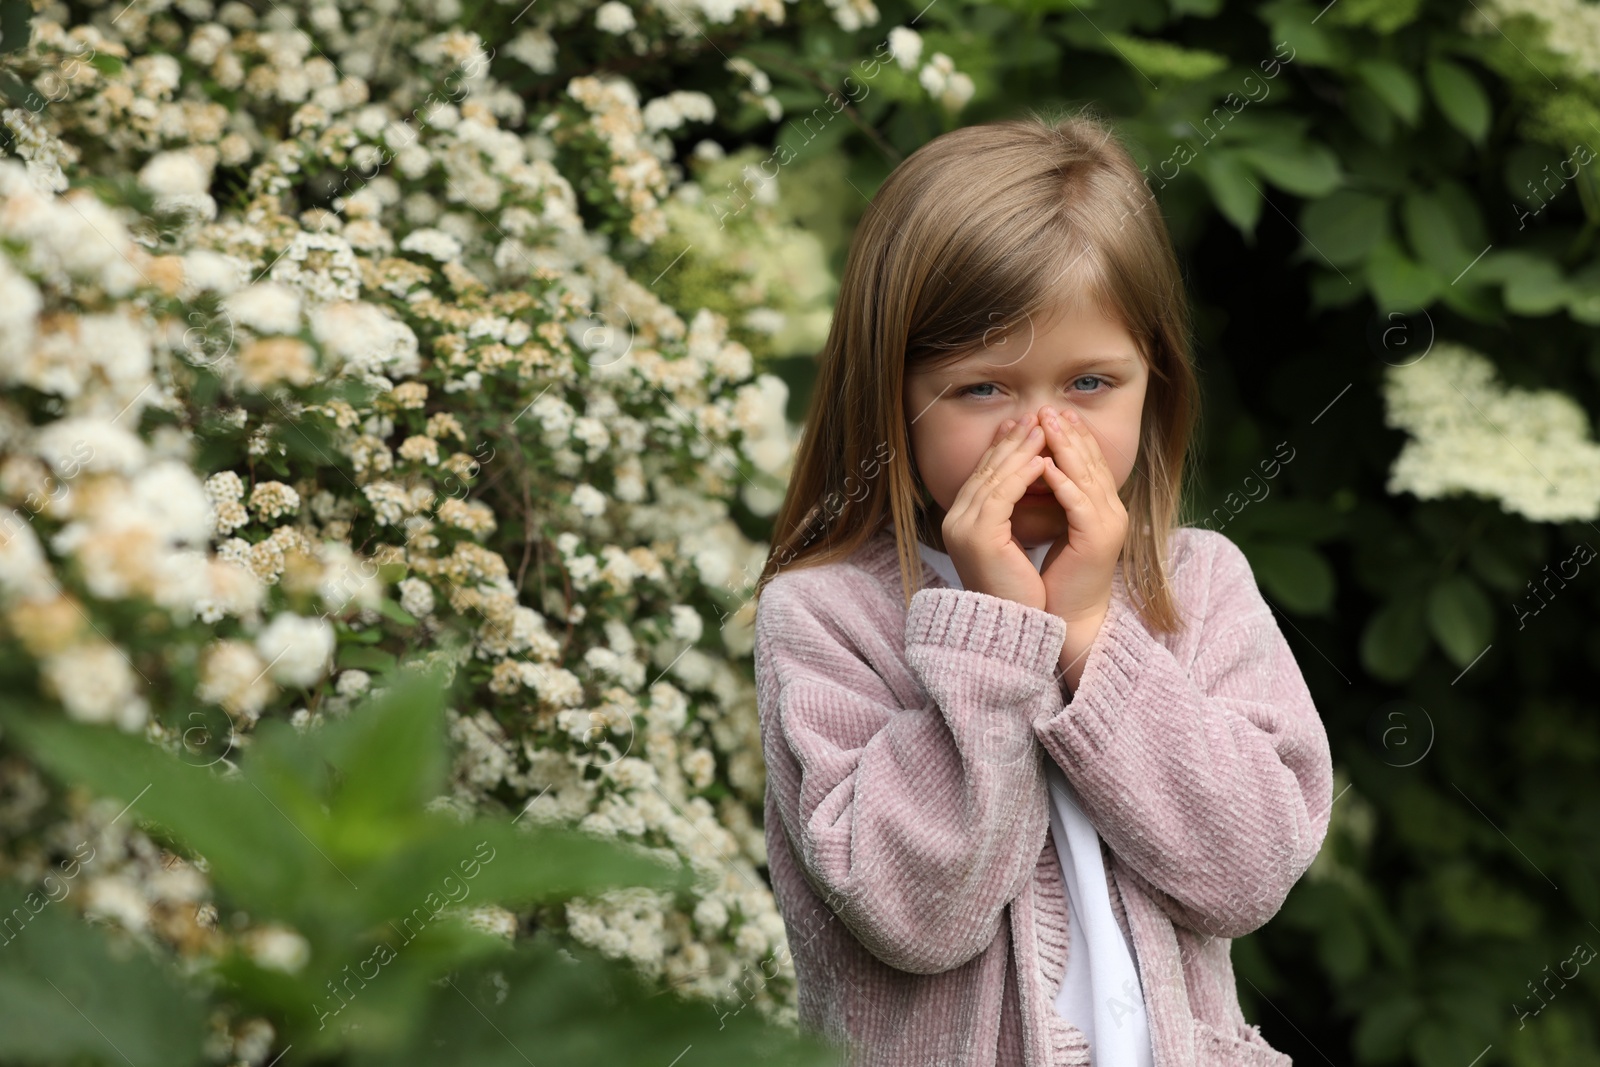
[326, 834]
[66, 991]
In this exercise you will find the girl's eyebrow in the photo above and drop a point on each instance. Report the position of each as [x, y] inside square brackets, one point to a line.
[968, 365]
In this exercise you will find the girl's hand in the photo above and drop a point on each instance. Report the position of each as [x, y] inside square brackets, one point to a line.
[977, 528]
[1078, 568]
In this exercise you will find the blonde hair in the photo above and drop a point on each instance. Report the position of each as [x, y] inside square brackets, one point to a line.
[984, 225]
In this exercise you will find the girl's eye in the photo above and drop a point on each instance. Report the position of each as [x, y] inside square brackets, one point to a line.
[968, 390]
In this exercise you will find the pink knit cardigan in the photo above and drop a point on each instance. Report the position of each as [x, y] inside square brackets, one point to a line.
[907, 826]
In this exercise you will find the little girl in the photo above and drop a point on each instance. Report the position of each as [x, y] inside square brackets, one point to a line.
[1036, 752]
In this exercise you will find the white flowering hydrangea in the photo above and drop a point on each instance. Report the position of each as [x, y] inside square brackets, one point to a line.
[1471, 434]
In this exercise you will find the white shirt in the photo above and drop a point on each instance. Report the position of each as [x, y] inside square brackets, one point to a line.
[1100, 992]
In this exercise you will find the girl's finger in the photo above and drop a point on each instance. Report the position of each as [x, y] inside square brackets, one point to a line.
[1079, 457]
[990, 461]
[1064, 487]
[998, 497]
[1091, 445]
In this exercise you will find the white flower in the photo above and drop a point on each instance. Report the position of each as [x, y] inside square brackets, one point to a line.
[115, 897]
[711, 915]
[673, 110]
[686, 623]
[614, 17]
[347, 583]
[906, 46]
[958, 90]
[590, 502]
[1528, 449]
[233, 677]
[175, 174]
[268, 307]
[95, 683]
[416, 596]
[269, 500]
[72, 445]
[699, 766]
[365, 339]
[296, 648]
[352, 683]
[224, 486]
[24, 571]
[205, 270]
[278, 948]
[431, 242]
[174, 501]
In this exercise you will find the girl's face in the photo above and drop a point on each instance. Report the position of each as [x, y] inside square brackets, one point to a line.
[1079, 359]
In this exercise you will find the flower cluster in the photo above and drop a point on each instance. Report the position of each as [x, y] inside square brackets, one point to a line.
[1531, 450]
[342, 373]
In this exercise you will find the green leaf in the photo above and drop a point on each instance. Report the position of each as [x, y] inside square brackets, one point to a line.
[1295, 22]
[65, 996]
[1441, 1043]
[1228, 179]
[15, 25]
[1309, 170]
[368, 659]
[1583, 301]
[390, 752]
[1474, 904]
[1394, 85]
[391, 609]
[540, 1006]
[1158, 59]
[1394, 640]
[1297, 577]
[1460, 98]
[231, 824]
[1538, 290]
[1464, 209]
[1346, 225]
[19, 93]
[1507, 264]
[508, 863]
[1495, 568]
[1431, 232]
[1342, 945]
[1460, 618]
[1397, 282]
[327, 830]
[1381, 1034]
[1369, 114]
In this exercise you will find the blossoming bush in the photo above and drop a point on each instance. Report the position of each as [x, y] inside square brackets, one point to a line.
[325, 350]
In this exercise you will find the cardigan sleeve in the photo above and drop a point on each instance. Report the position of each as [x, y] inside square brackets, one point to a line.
[918, 824]
[1214, 784]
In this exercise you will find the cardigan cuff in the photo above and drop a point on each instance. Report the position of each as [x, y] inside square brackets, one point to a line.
[992, 626]
[1110, 675]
